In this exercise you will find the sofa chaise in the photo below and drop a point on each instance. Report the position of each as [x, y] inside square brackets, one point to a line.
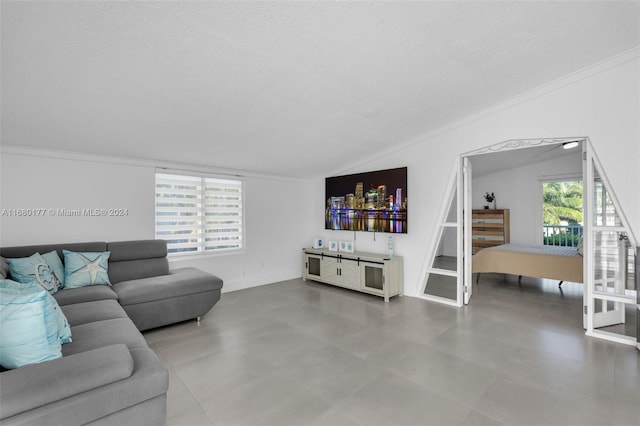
[108, 374]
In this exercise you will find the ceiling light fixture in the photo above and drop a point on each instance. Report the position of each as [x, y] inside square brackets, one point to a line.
[569, 145]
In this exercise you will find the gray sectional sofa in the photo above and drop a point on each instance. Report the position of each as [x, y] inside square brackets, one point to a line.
[108, 375]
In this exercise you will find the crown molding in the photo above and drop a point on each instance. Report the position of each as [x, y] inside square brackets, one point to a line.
[139, 162]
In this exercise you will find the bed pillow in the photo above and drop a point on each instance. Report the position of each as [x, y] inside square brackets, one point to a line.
[28, 328]
[34, 268]
[581, 247]
[54, 262]
[82, 269]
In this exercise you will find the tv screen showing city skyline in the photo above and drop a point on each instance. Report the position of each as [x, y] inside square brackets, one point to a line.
[372, 201]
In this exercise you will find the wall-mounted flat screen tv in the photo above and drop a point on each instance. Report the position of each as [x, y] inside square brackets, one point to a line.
[372, 201]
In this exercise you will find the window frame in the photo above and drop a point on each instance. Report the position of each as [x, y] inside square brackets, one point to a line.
[204, 183]
[563, 177]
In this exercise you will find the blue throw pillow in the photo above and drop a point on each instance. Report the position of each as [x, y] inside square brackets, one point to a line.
[54, 262]
[28, 329]
[55, 321]
[85, 268]
[62, 325]
[34, 268]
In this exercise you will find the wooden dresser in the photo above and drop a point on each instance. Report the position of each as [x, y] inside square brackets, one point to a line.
[489, 228]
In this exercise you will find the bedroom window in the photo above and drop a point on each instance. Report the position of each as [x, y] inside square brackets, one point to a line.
[562, 213]
[198, 214]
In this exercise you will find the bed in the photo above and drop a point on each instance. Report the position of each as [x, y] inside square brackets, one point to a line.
[551, 262]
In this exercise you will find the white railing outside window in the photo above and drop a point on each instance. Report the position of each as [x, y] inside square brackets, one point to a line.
[198, 214]
[561, 235]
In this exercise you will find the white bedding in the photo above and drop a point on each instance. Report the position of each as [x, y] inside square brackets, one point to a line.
[552, 262]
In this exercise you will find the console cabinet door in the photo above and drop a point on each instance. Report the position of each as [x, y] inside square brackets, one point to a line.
[329, 270]
[312, 266]
[349, 274]
[372, 278]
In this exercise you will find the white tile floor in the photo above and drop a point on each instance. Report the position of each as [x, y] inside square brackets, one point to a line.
[304, 353]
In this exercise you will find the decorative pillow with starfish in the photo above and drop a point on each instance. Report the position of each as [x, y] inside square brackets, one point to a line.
[82, 269]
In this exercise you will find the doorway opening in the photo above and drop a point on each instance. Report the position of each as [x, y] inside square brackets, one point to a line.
[608, 283]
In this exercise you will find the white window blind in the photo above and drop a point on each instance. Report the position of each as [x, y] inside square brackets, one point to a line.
[196, 214]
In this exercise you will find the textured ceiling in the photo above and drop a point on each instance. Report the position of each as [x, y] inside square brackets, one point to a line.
[287, 88]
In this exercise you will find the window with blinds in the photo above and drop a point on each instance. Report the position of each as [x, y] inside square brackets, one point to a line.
[197, 214]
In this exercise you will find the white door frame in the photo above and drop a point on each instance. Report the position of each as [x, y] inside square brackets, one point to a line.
[461, 180]
[465, 243]
[596, 319]
[509, 145]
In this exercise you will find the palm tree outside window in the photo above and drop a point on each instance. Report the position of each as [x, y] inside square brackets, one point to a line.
[562, 213]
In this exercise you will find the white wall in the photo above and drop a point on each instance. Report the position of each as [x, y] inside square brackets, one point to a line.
[276, 211]
[601, 102]
[520, 191]
[45, 182]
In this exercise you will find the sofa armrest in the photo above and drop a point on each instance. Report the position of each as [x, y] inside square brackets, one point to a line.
[36, 385]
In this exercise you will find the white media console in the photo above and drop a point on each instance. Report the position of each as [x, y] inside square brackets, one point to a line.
[371, 273]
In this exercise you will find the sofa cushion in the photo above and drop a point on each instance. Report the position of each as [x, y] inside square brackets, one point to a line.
[99, 310]
[85, 294]
[104, 333]
[34, 268]
[62, 378]
[28, 326]
[138, 249]
[82, 269]
[180, 282]
[137, 269]
[132, 260]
